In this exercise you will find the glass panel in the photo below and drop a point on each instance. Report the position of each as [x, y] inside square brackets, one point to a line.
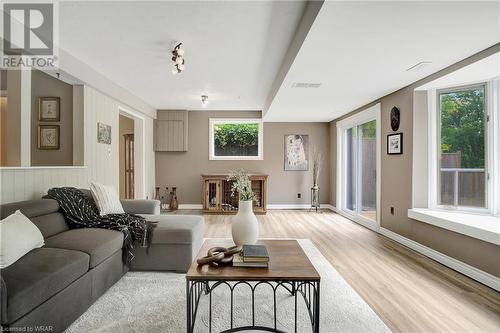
[462, 148]
[368, 165]
[471, 189]
[447, 187]
[350, 177]
[236, 139]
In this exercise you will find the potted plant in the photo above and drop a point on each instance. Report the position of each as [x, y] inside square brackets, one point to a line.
[244, 226]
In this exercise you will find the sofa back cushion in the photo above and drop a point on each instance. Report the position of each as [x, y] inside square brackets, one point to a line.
[44, 213]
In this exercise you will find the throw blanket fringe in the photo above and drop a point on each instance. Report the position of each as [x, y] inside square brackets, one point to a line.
[82, 212]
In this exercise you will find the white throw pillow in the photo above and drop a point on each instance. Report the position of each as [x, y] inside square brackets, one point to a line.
[18, 236]
[106, 199]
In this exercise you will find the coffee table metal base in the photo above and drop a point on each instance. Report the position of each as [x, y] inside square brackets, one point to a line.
[310, 291]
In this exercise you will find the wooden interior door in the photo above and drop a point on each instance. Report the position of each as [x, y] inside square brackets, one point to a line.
[129, 166]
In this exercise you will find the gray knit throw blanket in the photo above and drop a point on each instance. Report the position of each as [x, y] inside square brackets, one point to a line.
[81, 212]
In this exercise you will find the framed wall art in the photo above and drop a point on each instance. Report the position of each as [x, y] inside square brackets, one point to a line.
[48, 137]
[296, 157]
[395, 144]
[103, 133]
[49, 109]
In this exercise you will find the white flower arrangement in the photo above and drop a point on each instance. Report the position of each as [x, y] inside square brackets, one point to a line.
[241, 184]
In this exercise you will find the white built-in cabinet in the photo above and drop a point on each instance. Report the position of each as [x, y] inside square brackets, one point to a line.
[171, 130]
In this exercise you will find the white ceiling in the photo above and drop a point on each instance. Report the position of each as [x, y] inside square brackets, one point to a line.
[483, 70]
[233, 49]
[359, 51]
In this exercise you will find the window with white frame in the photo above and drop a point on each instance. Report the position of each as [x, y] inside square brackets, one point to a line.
[235, 139]
[462, 147]
[466, 152]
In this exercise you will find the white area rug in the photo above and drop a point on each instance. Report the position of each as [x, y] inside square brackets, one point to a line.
[155, 302]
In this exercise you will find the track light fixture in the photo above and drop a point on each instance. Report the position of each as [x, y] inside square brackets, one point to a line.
[204, 100]
[178, 59]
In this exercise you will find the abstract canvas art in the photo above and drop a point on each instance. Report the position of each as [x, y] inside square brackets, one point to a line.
[103, 133]
[296, 152]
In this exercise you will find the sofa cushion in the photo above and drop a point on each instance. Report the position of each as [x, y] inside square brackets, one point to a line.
[176, 229]
[39, 275]
[106, 198]
[43, 212]
[30, 208]
[98, 243]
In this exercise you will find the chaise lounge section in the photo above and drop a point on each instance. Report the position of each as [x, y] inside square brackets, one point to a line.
[52, 286]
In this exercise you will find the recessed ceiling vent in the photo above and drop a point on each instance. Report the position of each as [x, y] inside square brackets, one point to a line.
[419, 65]
[305, 85]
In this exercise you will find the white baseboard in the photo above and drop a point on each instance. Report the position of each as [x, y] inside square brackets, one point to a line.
[191, 206]
[270, 206]
[288, 206]
[468, 270]
[298, 206]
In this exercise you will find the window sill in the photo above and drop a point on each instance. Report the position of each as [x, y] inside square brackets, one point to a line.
[483, 227]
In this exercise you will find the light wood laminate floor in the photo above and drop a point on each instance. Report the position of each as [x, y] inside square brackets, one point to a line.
[410, 292]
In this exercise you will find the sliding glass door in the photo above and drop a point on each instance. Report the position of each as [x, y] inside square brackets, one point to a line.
[360, 195]
[357, 175]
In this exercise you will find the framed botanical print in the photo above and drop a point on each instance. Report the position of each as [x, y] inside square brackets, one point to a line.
[49, 109]
[395, 144]
[48, 137]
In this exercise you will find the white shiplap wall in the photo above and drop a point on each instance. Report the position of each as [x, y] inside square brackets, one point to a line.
[101, 160]
[19, 184]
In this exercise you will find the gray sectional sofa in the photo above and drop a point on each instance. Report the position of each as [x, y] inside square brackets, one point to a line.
[52, 286]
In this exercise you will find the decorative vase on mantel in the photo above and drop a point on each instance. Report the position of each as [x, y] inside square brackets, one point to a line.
[244, 226]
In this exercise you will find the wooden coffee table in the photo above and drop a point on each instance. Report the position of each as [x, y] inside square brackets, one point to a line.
[289, 267]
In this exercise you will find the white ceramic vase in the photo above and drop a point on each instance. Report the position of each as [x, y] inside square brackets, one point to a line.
[244, 226]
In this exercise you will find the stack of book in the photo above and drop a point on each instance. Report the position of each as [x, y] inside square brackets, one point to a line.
[252, 256]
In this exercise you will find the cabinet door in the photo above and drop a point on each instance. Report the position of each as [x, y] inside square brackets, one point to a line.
[212, 194]
[171, 131]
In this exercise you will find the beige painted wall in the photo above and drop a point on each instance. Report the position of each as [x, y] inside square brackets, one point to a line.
[184, 169]
[3, 130]
[44, 85]
[126, 126]
[12, 119]
[397, 183]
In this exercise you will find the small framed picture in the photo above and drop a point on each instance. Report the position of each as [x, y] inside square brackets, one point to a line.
[48, 137]
[49, 109]
[395, 144]
[103, 133]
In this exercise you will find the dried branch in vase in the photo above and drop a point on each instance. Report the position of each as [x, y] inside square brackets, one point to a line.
[317, 158]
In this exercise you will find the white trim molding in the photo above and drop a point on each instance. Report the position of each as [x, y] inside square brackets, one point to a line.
[468, 270]
[269, 206]
[191, 206]
[139, 149]
[369, 114]
[298, 206]
[483, 227]
[211, 148]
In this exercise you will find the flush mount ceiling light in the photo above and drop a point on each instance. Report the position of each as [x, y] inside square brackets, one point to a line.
[204, 100]
[178, 59]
